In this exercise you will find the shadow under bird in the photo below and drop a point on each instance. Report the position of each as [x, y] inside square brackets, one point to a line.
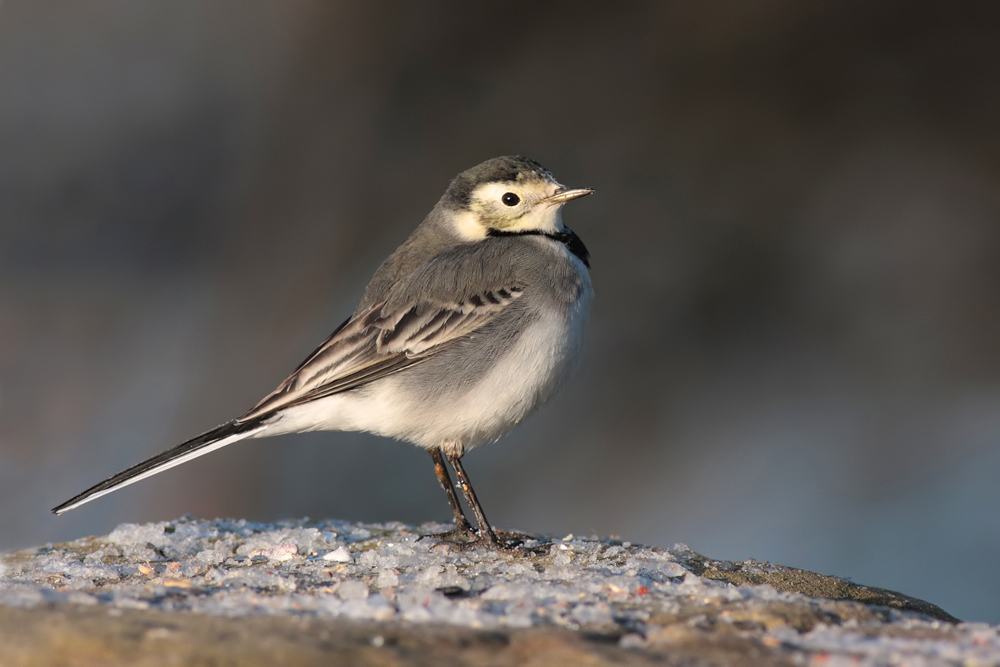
[462, 332]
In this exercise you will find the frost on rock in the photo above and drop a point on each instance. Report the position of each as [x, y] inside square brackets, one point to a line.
[646, 598]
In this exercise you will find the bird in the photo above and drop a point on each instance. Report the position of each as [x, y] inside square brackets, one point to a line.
[467, 328]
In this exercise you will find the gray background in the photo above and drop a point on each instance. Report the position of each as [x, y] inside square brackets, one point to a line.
[794, 348]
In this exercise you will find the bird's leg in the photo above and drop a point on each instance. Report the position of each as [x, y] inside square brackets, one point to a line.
[487, 537]
[463, 529]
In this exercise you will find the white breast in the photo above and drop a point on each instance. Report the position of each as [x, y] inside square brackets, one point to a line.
[521, 381]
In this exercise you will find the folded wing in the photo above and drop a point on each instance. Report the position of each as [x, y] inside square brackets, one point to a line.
[379, 342]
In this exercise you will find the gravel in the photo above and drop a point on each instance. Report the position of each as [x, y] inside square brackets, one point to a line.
[644, 598]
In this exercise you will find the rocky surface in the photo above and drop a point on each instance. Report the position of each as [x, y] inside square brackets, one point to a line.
[300, 592]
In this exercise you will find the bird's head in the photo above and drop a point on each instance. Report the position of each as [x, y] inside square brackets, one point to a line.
[506, 194]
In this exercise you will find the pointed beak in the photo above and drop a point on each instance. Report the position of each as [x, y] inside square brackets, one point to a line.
[564, 195]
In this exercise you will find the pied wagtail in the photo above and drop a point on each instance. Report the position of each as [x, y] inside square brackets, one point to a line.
[462, 332]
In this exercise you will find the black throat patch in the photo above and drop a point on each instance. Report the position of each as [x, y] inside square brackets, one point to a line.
[566, 237]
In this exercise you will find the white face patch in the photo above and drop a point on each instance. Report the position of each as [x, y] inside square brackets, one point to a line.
[510, 207]
[543, 218]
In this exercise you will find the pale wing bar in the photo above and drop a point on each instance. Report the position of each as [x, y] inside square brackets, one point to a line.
[424, 326]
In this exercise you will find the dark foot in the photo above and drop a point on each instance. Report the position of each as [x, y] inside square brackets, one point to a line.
[511, 543]
[492, 542]
[457, 535]
[501, 541]
[513, 536]
[515, 539]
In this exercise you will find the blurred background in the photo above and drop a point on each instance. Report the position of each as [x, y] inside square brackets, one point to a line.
[794, 347]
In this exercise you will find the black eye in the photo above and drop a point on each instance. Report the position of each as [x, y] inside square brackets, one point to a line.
[510, 199]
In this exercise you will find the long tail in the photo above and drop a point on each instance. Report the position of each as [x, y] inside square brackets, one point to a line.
[217, 438]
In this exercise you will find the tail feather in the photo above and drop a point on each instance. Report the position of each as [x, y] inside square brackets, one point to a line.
[217, 438]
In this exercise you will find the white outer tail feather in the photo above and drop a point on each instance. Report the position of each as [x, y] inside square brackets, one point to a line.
[166, 465]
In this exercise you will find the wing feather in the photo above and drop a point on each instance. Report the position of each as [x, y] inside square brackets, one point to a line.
[376, 343]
